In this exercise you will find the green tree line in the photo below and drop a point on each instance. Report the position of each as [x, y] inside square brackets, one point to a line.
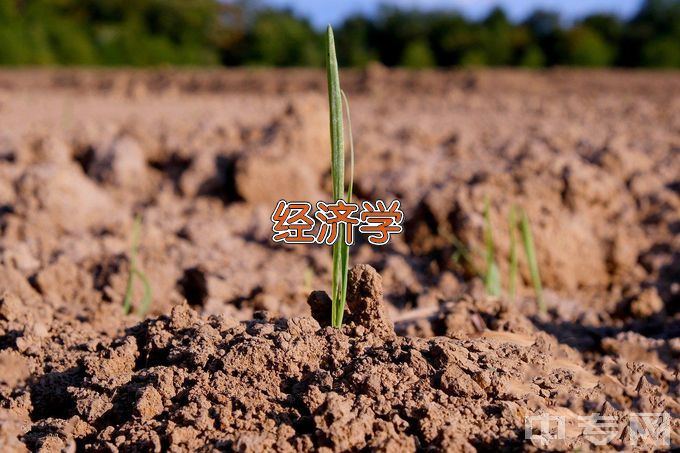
[210, 32]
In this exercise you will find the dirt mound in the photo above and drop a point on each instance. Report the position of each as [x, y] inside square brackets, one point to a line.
[182, 382]
[287, 164]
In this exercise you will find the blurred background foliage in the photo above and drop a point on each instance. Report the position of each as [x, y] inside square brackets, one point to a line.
[210, 32]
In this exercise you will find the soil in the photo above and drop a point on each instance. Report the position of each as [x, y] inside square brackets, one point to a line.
[236, 353]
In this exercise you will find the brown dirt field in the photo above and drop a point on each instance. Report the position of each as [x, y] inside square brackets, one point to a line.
[232, 358]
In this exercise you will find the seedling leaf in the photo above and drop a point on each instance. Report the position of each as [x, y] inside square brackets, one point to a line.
[529, 249]
[307, 279]
[147, 295]
[336, 120]
[136, 272]
[512, 284]
[340, 248]
[492, 279]
[350, 188]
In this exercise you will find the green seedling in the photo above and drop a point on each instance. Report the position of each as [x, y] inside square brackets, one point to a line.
[512, 283]
[462, 256]
[307, 279]
[492, 278]
[529, 249]
[492, 281]
[340, 248]
[136, 272]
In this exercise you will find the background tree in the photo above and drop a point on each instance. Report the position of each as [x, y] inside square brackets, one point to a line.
[652, 37]
[279, 38]
[244, 32]
[353, 42]
[585, 47]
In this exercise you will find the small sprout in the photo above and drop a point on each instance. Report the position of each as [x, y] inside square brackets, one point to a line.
[529, 249]
[340, 248]
[462, 255]
[492, 278]
[135, 271]
[307, 279]
[512, 284]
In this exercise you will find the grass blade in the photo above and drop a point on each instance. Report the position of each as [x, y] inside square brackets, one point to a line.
[129, 289]
[462, 255]
[344, 272]
[336, 123]
[335, 283]
[492, 279]
[307, 279]
[512, 284]
[147, 297]
[340, 248]
[351, 149]
[529, 249]
[344, 249]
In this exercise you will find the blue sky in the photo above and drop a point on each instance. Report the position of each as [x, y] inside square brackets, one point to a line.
[322, 12]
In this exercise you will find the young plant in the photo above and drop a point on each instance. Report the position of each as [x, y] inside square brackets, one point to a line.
[492, 278]
[528, 240]
[340, 248]
[462, 256]
[136, 272]
[512, 284]
[307, 279]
